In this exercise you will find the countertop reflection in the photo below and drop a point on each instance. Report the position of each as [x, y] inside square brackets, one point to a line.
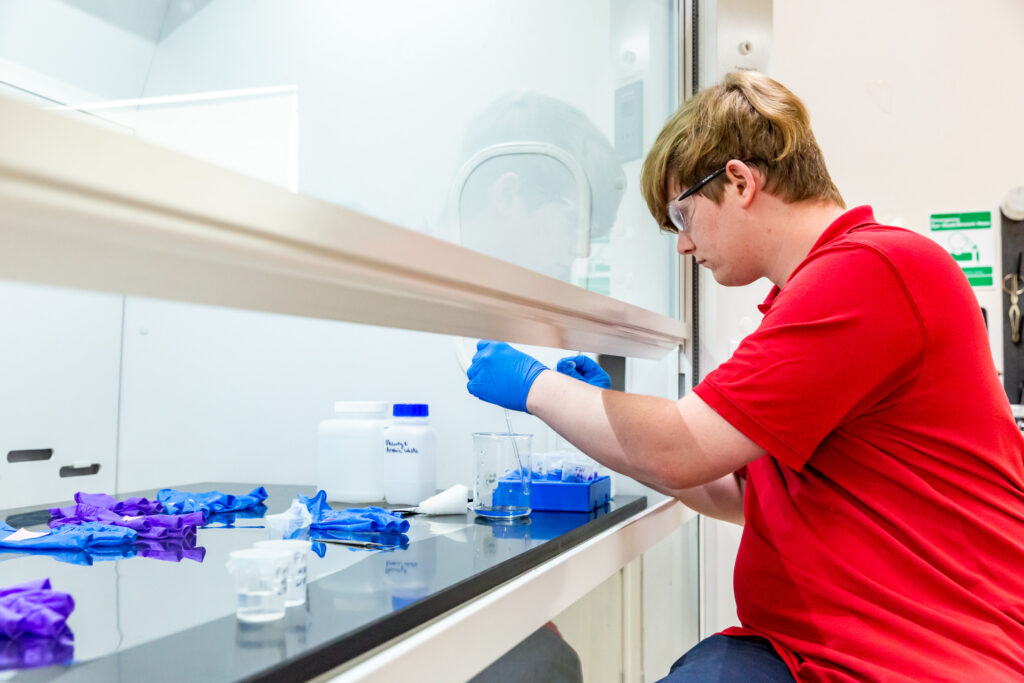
[138, 617]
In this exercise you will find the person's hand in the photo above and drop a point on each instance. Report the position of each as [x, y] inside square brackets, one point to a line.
[502, 375]
[585, 370]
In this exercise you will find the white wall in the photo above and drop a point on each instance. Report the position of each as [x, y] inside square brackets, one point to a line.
[917, 109]
[914, 103]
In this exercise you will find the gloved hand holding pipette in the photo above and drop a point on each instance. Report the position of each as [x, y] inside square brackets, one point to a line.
[502, 375]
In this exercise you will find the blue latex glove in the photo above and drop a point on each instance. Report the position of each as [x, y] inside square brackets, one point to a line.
[70, 537]
[502, 375]
[177, 502]
[369, 519]
[100, 535]
[585, 370]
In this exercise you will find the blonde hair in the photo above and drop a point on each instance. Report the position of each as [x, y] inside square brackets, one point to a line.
[749, 117]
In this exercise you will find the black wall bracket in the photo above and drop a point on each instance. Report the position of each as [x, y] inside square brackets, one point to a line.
[1012, 233]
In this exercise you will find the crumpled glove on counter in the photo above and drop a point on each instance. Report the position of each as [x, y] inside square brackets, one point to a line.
[369, 519]
[211, 502]
[70, 537]
[130, 506]
[35, 609]
[147, 526]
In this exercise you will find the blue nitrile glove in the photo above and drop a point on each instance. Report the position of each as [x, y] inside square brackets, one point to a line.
[368, 519]
[70, 537]
[585, 370]
[502, 375]
[177, 502]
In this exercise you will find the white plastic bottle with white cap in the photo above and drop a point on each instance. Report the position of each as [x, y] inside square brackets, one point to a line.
[409, 454]
[349, 449]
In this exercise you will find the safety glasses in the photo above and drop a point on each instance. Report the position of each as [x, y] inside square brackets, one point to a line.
[675, 207]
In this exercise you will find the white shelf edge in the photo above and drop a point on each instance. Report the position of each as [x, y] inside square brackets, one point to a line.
[89, 208]
[474, 635]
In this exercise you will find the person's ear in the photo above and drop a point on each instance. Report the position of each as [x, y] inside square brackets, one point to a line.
[742, 181]
[505, 196]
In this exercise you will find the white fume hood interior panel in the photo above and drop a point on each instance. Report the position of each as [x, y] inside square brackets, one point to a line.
[60, 355]
[218, 393]
[213, 393]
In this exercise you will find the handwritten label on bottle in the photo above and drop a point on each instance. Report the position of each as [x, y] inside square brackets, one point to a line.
[399, 447]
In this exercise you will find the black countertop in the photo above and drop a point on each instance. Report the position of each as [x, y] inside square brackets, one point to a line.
[145, 619]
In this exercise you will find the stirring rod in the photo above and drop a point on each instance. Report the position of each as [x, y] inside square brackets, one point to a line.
[515, 450]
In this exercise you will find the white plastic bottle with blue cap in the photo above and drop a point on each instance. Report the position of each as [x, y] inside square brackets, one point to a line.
[409, 454]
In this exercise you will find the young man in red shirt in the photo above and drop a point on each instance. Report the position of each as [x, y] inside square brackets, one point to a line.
[860, 433]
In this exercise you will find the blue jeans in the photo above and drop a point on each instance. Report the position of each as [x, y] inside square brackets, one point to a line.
[726, 659]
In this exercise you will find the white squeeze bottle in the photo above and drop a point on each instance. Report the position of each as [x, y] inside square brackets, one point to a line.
[409, 447]
[348, 463]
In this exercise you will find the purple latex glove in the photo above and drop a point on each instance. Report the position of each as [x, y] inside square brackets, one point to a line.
[29, 652]
[34, 608]
[148, 526]
[176, 525]
[171, 549]
[130, 506]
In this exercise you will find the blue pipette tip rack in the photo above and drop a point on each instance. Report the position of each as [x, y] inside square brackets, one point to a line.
[563, 496]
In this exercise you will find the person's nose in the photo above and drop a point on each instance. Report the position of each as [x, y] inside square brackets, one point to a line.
[684, 245]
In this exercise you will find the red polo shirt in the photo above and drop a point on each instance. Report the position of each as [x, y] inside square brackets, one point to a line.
[884, 535]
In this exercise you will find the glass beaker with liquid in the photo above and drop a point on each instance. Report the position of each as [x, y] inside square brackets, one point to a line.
[298, 569]
[502, 489]
[260, 582]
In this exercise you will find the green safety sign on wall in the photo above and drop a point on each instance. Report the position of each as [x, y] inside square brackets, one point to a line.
[968, 239]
